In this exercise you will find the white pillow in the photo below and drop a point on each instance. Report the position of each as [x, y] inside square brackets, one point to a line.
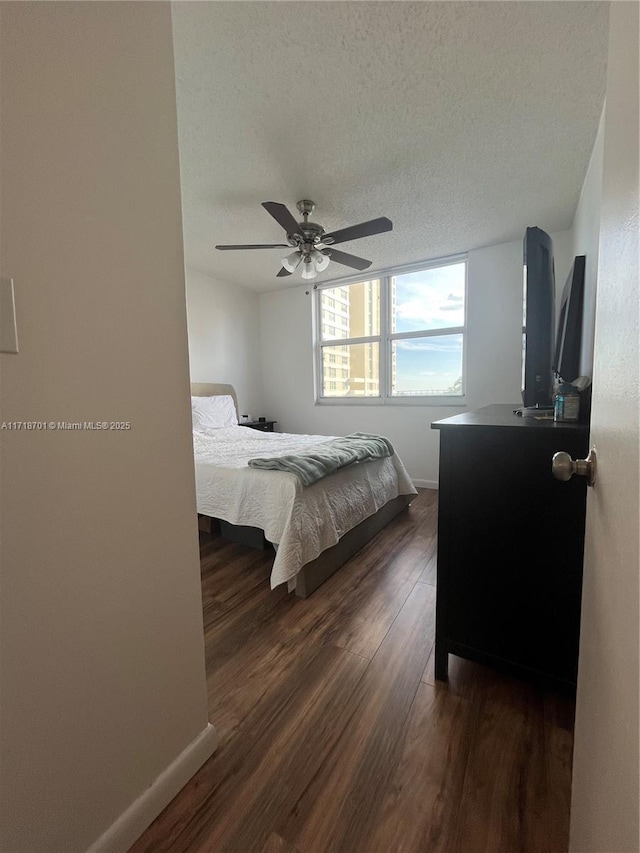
[213, 412]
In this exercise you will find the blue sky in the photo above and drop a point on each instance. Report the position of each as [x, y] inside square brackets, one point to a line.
[430, 299]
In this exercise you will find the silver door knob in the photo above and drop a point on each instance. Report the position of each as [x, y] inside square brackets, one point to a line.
[563, 467]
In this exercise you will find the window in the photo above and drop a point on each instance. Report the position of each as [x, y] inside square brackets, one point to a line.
[398, 336]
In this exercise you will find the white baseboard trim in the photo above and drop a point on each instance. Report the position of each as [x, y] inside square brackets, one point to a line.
[143, 811]
[425, 484]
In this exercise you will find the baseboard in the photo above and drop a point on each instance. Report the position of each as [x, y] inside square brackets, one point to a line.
[425, 484]
[143, 811]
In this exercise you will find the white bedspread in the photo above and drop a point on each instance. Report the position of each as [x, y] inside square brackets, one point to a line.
[302, 521]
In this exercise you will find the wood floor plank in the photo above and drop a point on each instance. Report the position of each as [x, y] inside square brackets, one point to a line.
[235, 569]
[256, 669]
[428, 676]
[430, 544]
[231, 803]
[427, 520]
[546, 755]
[356, 610]
[337, 809]
[362, 621]
[275, 844]
[378, 563]
[552, 798]
[422, 799]
[323, 749]
[465, 678]
[250, 620]
[291, 764]
[500, 777]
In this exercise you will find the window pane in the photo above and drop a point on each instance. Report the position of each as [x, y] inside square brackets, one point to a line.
[429, 299]
[358, 374]
[350, 311]
[427, 367]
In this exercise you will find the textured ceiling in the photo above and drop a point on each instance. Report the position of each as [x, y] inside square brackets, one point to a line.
[462, 122]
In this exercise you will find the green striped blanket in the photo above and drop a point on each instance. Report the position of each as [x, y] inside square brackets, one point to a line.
[313, 463]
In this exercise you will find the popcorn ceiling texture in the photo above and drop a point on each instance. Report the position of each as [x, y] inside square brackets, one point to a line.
[462, 122]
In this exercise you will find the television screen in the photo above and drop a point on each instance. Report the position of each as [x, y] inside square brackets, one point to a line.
[566, 361]
[538, 320]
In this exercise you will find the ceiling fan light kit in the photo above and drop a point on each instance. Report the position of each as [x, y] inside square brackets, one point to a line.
[292, 261]
[309, 268]
[310, 241]
[321, 259]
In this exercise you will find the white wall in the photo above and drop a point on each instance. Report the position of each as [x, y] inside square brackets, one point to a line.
[224, 337]
[494, 347]
[102, 680]
[586, 234]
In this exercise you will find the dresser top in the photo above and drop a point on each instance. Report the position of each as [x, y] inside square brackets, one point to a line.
[502, 415]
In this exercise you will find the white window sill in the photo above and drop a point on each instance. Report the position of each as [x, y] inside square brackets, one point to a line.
[425, 402]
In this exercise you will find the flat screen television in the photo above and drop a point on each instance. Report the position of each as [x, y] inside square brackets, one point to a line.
[538, 320]
[566, 360]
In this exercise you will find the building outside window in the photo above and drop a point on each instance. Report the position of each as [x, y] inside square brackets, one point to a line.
[400, 335]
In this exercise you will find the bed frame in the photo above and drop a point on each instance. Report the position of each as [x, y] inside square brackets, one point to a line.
[319, 570]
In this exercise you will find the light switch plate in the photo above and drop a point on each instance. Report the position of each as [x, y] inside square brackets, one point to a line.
[8, 327]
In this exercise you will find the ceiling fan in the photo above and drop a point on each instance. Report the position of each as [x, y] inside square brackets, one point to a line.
[313, 247]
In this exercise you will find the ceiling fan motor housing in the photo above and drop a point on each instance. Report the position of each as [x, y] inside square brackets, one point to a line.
[311, 230]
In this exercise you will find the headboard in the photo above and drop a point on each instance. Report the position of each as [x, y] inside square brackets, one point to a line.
[213, 389]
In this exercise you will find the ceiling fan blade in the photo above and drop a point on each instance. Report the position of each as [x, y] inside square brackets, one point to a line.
[349, 260]
[282, 273]
[257, 246]
[283, 217]
[354, 232]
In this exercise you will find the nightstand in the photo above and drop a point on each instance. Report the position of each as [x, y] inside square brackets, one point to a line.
[263, 426]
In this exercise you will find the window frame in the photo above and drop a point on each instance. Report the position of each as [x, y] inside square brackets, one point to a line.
[386, 337]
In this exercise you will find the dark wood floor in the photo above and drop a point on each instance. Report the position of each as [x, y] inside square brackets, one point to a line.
[334, 735]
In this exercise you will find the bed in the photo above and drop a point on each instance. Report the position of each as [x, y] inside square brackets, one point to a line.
[314, 529]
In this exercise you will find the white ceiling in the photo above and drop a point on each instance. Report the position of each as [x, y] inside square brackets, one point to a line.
[464, 123]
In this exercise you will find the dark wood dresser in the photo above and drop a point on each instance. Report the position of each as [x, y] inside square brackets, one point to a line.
[510, 544]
